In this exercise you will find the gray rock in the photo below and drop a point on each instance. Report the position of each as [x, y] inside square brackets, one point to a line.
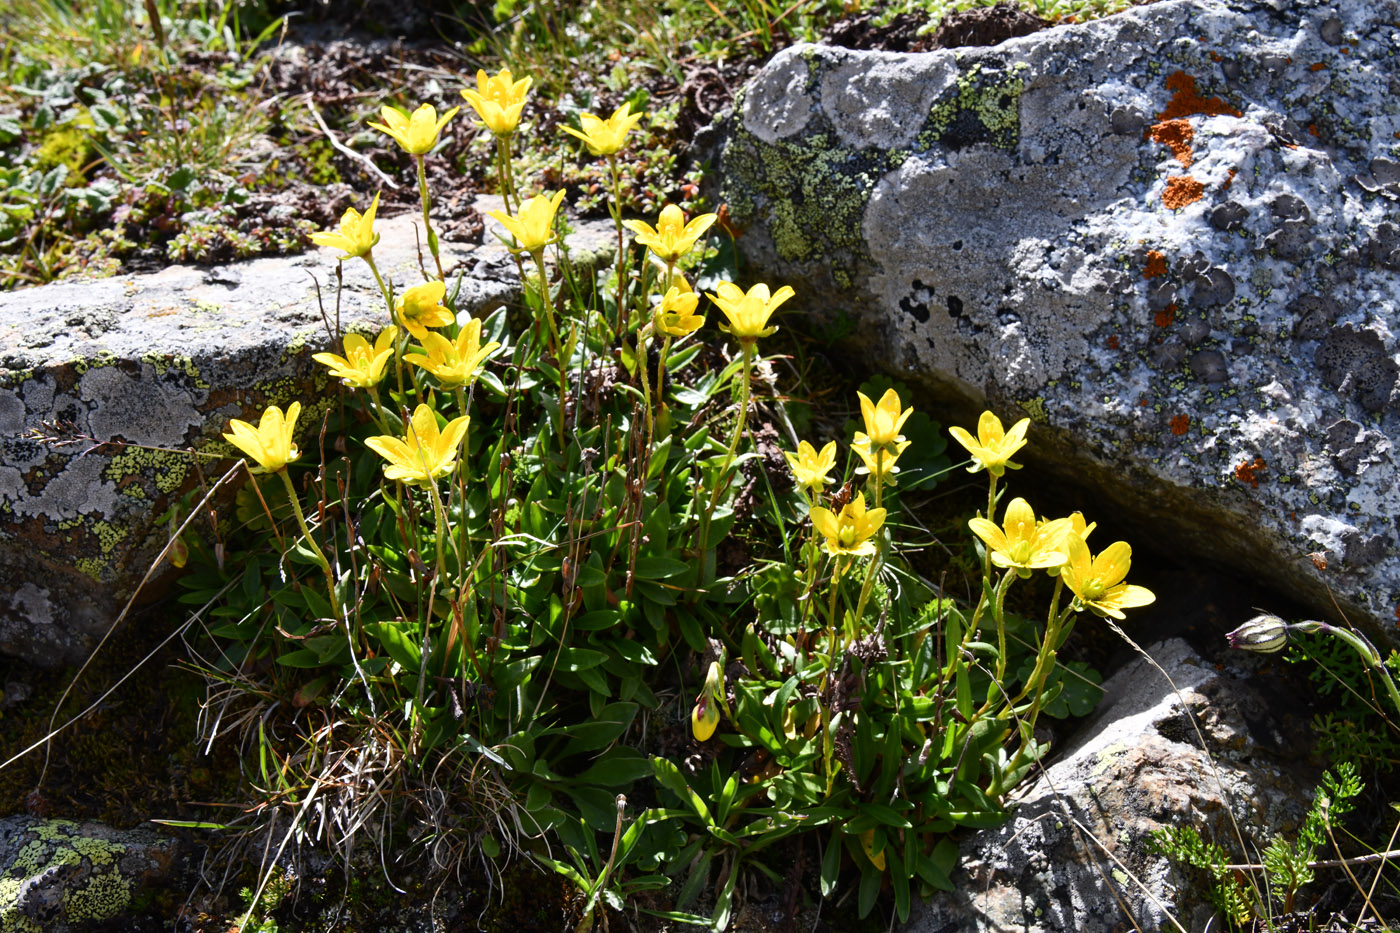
[161, 363]
[1168, 235]
[1073, 856]
[57, 875]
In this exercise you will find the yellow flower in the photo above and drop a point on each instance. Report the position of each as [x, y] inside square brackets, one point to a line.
[606, 137]
[748, 313]
[270, 443]
[1076, 522]
[882, 421]
[416, 134]
[454, 362]
[1098, 582]
[811, 468]
[1075, 525]
[676, 316]
[879, 461]
[533, 227]
[1022, 543]
[421, 307]
[356, 233]
[672, 237]
[424, 454]
[850, 532]
[993, 447]
[362, 366]
[498, 100]
[704, 718]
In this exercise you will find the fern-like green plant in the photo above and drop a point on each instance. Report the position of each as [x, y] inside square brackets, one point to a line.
[1288, 865]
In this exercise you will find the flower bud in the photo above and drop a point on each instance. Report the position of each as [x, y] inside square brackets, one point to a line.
[1264, 633]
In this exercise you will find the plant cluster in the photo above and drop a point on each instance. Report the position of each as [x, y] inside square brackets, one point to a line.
[121, 148]
[526, 543]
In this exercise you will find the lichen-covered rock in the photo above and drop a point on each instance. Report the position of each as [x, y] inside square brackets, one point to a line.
[160, 363]
[1169, 236]
[57, 875]
[1074, 855]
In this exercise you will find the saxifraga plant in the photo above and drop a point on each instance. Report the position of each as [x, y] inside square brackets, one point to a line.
[508, 570]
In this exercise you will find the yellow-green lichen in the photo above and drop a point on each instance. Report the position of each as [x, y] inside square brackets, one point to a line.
[109, 536]
[90, 567]
[983, 106]
[163, 363]
[58, 846]
[167, 469]
[105, 896]
[812, 190]
[1036, 409]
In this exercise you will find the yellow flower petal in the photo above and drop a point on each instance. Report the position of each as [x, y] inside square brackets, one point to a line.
[270, 444]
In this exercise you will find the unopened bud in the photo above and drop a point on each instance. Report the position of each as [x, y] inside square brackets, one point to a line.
[1264, 633]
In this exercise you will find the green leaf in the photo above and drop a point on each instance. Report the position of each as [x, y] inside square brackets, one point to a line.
[397, 643]
[831, 863]
[871, 879]
[604, 729]
[660, 568]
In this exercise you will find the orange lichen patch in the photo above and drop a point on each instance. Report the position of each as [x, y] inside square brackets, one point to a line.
[1248, 472]
[1176, 135]
[1186, 102]
[1182, 190]
[1216, 57]
[1111, 342]
[1229, 181]
[1156, 265]
[1180, 424]
[1165, 317]
[1318, 66]
[1312, 128]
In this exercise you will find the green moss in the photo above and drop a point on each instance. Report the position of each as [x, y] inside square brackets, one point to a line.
[66, 145]
[318, 157]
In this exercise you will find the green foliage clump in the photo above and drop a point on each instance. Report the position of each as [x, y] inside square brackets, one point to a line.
[551, 589]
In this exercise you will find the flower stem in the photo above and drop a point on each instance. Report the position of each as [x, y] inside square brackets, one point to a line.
[320, 558]
[722, 479]
[615, 208]
[427, 225]
[400, 341]
[554, 345]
